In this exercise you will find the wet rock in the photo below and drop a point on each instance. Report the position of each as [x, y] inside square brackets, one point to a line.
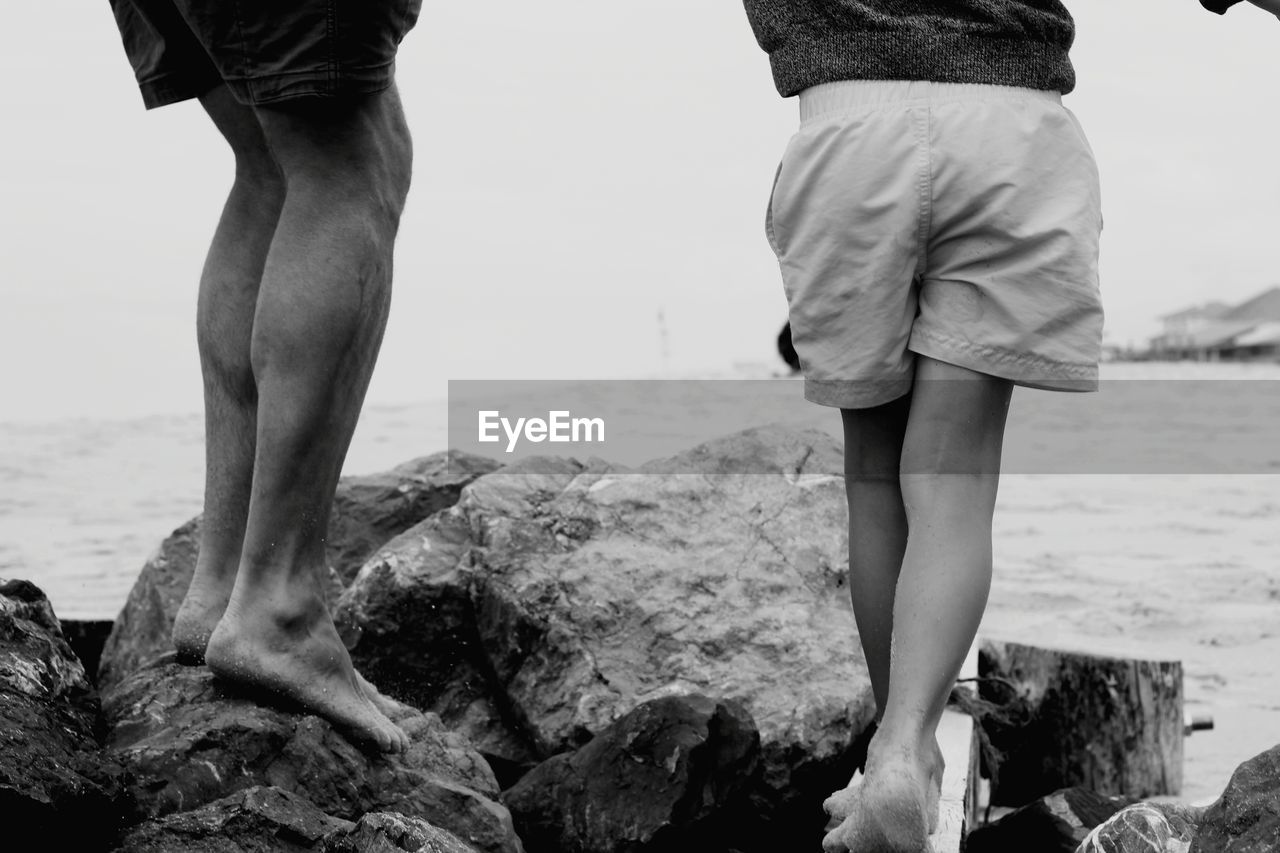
[1056, 823]
[412, 631]
[187, 742]
[368, 511]
[54, 784]
[389, 832]
[1145, 828]
[557, 597]
[86, 638]
[1246, 818]
[669, 775]
[255, 820]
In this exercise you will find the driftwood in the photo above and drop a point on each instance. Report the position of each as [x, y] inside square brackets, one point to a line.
[1113, 725]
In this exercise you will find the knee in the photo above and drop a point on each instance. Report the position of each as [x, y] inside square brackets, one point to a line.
[948, 499]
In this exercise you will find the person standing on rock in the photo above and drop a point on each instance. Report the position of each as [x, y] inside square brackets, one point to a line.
[937, 221]
[1221, 6]
[292, 305]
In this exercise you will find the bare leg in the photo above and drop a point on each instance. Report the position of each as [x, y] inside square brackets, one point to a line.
[949, 474]
[320, 315]
[873, 441]
[224, 321]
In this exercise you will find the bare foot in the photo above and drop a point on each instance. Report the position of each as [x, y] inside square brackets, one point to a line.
[293, 652]
[392, 708]
[888, 810]
[201, 608]
[841, 804]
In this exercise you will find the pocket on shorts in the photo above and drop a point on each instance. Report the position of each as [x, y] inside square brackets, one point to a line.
[768, 215]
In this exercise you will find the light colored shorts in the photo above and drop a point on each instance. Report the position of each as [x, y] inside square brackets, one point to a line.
[958, 222]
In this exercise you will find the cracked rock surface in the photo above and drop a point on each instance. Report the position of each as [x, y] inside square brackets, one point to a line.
[186, 743]
[555, 597]
[255, 820]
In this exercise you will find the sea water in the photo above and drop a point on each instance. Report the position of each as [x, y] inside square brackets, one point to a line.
[1180, 562]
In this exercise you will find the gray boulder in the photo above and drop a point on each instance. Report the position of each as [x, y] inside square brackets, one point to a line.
[669, 775]
[54, 783]
[1246, 818]
[1145, 828]
[556, 597]
[367, 511]
[254, 820]
[186, 742]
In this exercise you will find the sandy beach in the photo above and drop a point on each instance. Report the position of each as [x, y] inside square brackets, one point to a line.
[1168, 565]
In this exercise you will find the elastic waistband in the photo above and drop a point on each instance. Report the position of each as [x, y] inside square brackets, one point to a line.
[850, 95]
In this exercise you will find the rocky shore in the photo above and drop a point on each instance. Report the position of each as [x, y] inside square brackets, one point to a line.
[588, 660]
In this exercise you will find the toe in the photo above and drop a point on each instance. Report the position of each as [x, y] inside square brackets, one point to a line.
[834, 841]
[839, 804]
[834, 806]
[402, 740]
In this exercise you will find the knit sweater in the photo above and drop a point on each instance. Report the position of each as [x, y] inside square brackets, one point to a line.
[1001, 42]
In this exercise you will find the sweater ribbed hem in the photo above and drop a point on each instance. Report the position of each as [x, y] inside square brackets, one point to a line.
[813, 56]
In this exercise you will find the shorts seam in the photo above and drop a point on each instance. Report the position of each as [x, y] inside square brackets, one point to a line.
[1000, 356]
[312, 72]
[331, 31]
[244, 40]
[926, 194]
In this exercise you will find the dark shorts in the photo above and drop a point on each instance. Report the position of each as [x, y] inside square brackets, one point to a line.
[265, 51]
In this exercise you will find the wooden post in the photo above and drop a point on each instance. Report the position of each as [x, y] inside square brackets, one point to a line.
[1110, 724]
[956, 736]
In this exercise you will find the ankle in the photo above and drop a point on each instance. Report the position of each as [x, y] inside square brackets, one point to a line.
[902, 745]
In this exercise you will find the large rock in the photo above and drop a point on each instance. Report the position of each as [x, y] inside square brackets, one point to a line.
[669, 775]
[1145, 828]
[411, 629]
[54, 785]
[265, 819]
[383, 832]
[186, 742]
[254, 820]
[1246, 818]
[1056, 823]
[367, 511]
[142, 631]
[555, 597]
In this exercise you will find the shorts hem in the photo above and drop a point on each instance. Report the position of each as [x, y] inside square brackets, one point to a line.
[311, 83]
[1025, 369]
[855, 393]
[174, 88]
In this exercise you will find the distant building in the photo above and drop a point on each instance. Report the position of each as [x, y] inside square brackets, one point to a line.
[1181, 330]
[1214, 331]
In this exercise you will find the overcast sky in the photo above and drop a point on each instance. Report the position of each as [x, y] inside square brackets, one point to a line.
[581, 168]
